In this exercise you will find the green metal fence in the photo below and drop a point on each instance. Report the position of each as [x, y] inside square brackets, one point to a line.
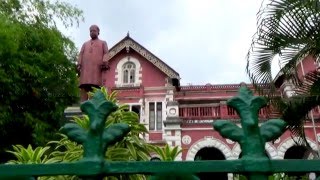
[252, 138]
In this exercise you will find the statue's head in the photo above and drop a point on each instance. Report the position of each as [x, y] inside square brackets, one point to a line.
[94, 31]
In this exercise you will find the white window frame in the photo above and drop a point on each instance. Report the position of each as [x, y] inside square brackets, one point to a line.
[129, 71]
[119, 72]
[135, 104]
[156, 115]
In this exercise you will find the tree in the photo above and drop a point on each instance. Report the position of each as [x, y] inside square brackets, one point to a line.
[288, 29]
[38, 78]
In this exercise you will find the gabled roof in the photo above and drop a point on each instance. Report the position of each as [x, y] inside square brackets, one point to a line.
[128, 42]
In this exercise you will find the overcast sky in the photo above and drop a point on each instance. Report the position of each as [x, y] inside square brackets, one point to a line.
[205, 41]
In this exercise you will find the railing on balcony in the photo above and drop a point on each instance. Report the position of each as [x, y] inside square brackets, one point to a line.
[214, 112]
[199, 112]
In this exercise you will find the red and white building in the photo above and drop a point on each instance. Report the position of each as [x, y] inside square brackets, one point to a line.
[183, 115]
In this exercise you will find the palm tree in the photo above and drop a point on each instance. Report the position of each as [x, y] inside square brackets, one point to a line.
[289, 30]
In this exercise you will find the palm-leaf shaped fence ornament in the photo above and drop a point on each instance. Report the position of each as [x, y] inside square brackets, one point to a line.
[96, 140]
[251, 137]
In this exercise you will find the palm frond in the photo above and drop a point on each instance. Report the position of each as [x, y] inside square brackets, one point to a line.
[288, 28]
[296, 108]
[311, 84]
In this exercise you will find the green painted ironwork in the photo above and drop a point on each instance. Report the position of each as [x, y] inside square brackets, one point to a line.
[251, 137]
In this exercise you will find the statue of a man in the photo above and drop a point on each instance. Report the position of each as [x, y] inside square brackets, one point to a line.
[90, 62]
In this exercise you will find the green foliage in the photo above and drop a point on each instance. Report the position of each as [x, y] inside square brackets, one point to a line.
[44, 12]
[295, 110]
[30, 155]
[239, 177]
[167, 153]
[288, 28]
[39, 155]
[38, 79]
[66, 150]
[276, 176]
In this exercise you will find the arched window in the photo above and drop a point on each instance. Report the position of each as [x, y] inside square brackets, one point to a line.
[129, 70]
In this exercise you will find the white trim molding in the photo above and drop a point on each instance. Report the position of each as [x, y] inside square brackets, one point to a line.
[289, 142]
[209, 142]
[271, 151]
[128, 43]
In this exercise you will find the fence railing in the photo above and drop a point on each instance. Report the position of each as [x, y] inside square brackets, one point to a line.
[254, 163]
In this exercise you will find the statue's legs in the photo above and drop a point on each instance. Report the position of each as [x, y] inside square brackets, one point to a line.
[83, 95]
[84, 89]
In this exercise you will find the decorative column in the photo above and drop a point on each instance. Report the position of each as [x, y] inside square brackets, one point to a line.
[172, 123]
[144, 114]
[223, 110]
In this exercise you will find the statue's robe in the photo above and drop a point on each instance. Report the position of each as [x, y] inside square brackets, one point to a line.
[90, 61]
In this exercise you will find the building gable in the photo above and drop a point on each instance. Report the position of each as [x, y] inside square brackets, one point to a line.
[128, 43]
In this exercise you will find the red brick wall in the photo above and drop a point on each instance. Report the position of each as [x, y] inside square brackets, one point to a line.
[155, 136]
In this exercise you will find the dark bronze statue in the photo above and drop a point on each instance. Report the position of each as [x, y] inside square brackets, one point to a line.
[90, 62]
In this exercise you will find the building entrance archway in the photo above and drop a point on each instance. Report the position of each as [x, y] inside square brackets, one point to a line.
[210, 153]
[209, 142]
[297, 152]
